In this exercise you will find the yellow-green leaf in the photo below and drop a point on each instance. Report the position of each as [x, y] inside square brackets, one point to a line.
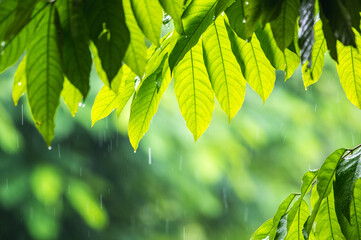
[107, 99]
[145, 104]
[256, 68]
[349, 70]
[287, 61]
[148, 14]
[72, 97]
[310, 76]
[301, 214]
[136, 54]
[225, 74]
[19, 85]
[263, 231]
[194, 91]
[327, 226]
[44, 74]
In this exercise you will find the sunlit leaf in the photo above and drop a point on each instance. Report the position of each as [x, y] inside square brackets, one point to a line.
[355, 209]
[349, 70]
[327, 226]
[19, 85]
[255, 66]
[283, 26]
[311, 75]
[287, 61]
[76, 57]
[196, 19]
[136, 54]
[347, 172]
[223, 70]
[148, 14]
[145, 104]
[109, 33]
[107, 99]
[300, 211]
[72, 97]
[243, 17]
[281, 212]
[194, 91]
[175, 9]
[44, 75]
[263, 231]
[325, 180]
[281, 232]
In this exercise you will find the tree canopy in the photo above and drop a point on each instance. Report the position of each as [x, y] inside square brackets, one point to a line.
[211, 49]
[215, 48]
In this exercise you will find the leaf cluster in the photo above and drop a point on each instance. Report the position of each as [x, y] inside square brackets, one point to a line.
[335, 203]
[216, 48]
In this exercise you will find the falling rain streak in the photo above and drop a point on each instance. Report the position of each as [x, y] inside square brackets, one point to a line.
[149, 156]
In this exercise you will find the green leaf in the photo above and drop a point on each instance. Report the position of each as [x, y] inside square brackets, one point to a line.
[283, 26]
[300, 211]
[19, 85]
[341, 26]
[13, 48]
[243, 17]
[194, 91]
[307, 181]
[109, 33]
[347, 172]
[196, 19]
[263, 231]
[157, 53]
[311, 75]
[72, 96]
[223, 70]
[136, 55]
[325, 180]
[356, 209]
[7, 14]
[305, 32]
[22, 16]
[281, 212]
[281, 232]
[145, 103]
[76, 56]
[44, 75]
[148, 14]
[107, 99]
[349, 70]
[175, 9]
[287, 61]
[327, 226]
[255, 66]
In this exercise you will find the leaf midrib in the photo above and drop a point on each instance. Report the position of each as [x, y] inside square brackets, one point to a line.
[224, 72]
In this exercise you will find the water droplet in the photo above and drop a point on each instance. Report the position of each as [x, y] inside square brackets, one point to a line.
[19, 83]
[49, 148]
[244, 20]
[83, 105]
[135, 151]
[214, 18]
[79, 104]
[246, 3]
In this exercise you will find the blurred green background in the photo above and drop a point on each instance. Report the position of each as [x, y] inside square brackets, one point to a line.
[91, 184]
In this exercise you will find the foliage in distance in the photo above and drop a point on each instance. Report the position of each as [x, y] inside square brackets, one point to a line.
[215, 49]
[335, 210]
